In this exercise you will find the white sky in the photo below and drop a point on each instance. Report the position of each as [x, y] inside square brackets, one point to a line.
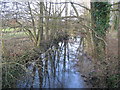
[51, 0]
[65, 0]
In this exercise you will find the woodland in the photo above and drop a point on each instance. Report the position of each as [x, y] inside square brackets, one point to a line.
[60, 44]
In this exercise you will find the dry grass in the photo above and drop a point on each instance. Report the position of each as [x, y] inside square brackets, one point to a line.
[17, 46]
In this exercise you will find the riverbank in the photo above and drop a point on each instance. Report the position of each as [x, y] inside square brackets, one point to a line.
[107, 73]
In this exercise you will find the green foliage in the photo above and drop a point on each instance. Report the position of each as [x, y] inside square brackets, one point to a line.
[8, 29]
[11, 72]
[101, 17]
[113, 81]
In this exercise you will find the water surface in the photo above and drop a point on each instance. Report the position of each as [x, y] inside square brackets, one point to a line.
[57, 68]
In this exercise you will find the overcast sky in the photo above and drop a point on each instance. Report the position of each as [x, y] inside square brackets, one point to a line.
[51, 0]
[65, 0]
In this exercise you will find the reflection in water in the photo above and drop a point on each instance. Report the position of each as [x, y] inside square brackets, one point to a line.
[55, 69]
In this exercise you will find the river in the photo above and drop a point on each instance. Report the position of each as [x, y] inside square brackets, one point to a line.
[58, 68]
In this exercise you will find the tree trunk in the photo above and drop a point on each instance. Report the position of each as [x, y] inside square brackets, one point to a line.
[40, 31]
[119, 42]
[41, 19]
[99, 45]
[100, 22]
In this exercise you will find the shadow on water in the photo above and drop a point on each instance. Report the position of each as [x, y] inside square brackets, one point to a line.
[55, 68]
